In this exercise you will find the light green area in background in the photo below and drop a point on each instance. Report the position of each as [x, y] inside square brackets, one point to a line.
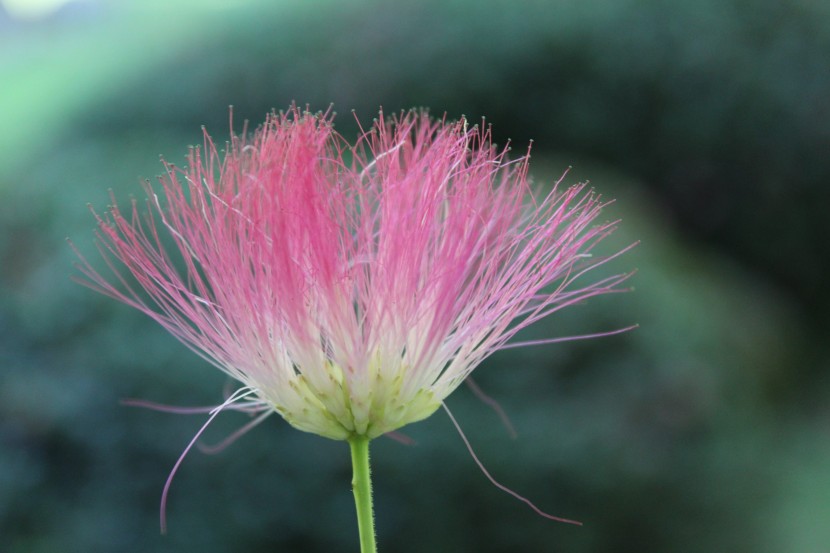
[51, 70]
[31, 9]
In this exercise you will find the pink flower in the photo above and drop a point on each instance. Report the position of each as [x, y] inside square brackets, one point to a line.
[351, 288]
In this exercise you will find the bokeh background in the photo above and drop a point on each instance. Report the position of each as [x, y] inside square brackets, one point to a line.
[706, 429]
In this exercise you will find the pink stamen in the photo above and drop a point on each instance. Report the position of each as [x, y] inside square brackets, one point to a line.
[240, 394]
[400, 437]
[567, 338]
[500, 486]
[144, 404]
[493, 404]
[216, 448]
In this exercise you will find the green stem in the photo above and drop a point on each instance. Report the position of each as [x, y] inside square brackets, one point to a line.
[362, 488]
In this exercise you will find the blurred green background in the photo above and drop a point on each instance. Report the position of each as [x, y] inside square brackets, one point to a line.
[706, 429]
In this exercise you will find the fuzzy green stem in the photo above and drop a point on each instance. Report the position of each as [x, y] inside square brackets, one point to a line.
[362, 488]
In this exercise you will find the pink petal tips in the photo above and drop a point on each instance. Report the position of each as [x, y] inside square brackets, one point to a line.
[351, 287]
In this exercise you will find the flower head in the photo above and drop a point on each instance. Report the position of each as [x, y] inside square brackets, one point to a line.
[351, 287]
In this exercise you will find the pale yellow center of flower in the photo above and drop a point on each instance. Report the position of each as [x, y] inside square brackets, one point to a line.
[339, 407]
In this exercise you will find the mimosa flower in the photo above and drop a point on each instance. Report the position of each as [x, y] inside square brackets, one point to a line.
[351, 287]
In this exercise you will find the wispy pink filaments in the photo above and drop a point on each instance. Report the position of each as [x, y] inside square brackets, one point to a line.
[496, 483]
[237, 401]
[351, 287]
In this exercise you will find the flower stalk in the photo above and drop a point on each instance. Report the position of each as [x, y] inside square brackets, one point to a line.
[362, 488]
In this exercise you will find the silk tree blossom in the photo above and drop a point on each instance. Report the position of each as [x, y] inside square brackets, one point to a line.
[351, 287]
